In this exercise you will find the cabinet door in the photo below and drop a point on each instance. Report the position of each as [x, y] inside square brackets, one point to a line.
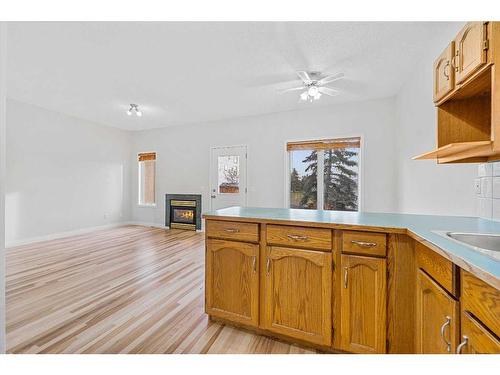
[444, 74]
[476, 339]
[437, 318]
[470, 50]
[232, 281]
[363, 304]
[298, 294]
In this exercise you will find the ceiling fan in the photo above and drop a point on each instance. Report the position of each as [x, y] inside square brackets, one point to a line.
[313, 85]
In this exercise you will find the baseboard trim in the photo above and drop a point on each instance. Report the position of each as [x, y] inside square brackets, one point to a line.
[55, 236]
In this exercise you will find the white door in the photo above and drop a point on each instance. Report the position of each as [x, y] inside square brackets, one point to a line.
[228, 177]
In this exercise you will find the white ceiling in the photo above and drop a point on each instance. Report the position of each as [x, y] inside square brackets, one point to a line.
[187, 72]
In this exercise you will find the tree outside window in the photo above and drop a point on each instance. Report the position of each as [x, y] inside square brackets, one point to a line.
[338, 188]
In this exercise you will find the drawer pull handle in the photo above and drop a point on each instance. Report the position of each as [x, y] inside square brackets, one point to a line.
[462, 344]
[296, 237]
[254, 264]
[268, 265]
[346, 275]
[363, 243]
[443, 328]
[231, 230]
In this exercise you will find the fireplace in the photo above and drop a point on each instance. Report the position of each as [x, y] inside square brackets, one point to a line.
[183, 211]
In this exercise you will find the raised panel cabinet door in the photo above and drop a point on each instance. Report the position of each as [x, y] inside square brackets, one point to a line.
[444, 74]
[476, 339]
[470, 50]
[363, 304]
[437, 318]
[232, 281]
[298, 294]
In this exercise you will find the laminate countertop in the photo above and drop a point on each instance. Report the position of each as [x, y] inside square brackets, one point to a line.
[423, 228]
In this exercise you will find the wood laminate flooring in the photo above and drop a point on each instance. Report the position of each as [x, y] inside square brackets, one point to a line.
[129, 289]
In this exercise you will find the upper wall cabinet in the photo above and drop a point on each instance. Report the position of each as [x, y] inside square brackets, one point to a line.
[466, 93]
[471, 46]
[444, 73]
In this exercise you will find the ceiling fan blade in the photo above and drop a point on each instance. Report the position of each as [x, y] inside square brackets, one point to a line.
[333, 77]
[304, 76]
[282, 91]
[328, 91]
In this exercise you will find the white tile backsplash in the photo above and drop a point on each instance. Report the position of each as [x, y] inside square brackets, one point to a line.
[486, 187]
[488, 190]
[485, 170]
[485, 207]
[495, 212]
[496, 168]
[495, 187]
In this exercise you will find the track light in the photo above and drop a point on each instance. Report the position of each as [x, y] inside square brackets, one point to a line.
[134, 108]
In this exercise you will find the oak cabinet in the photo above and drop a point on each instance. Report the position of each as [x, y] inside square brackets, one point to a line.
[232, 281]
[363, 304]
[476, 339]
[470, 50]
[436, 318]
[297, 294]
[444, 74]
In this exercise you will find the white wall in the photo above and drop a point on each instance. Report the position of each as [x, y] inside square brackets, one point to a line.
[63, 173]
[423, 186]
[3, 45]
[183, 153]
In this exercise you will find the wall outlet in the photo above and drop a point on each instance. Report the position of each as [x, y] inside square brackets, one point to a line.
[477, 186]
[105, 216]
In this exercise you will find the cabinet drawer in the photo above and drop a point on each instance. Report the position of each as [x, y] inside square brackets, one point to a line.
[439, 268]
[364, 243]
[310, 238]
[482, 300]
[232, 230]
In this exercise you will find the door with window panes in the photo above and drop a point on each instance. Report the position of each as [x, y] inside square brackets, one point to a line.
[324, 174]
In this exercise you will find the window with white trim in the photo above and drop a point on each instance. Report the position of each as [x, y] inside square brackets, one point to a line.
[324, 174]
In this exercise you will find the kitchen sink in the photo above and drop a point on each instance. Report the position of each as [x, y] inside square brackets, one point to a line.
[484, 241]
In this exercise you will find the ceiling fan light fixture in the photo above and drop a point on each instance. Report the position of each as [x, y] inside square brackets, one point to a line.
[134, 108]
[304, 95]
[313, 91]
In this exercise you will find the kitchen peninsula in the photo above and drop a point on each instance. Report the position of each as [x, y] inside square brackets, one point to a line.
[354, 282]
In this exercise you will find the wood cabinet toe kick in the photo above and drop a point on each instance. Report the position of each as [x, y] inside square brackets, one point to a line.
[349, 290]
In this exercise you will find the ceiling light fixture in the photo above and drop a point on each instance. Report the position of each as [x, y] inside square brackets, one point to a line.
[314, 86]
[134, 108]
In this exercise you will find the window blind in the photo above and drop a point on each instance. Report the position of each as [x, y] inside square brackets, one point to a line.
[324, 144]
[146, 156]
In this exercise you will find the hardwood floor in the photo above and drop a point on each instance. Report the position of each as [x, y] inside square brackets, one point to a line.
[130, 289]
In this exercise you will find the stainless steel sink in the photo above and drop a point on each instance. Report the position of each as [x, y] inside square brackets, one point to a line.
[484, 241]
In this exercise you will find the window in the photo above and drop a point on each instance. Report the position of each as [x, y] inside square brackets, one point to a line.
[229, 174]
[147, 172]
[324, 174]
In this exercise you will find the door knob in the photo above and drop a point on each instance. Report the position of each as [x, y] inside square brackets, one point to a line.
[212, 196]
